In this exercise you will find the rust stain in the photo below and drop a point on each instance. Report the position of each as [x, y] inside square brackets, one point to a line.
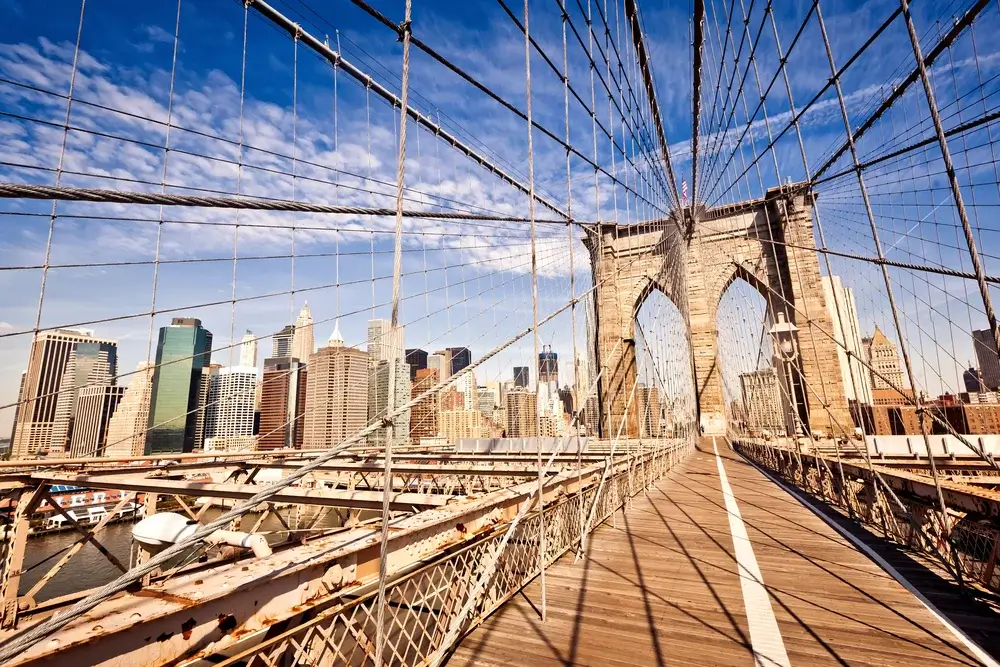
[186, 628]
[169, 597]
[227, 623]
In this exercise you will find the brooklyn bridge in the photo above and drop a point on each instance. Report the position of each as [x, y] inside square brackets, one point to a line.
[563, 333]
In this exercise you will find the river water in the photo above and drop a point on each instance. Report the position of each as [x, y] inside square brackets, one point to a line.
[89, 568]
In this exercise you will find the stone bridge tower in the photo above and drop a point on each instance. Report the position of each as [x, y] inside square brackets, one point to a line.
[767, 242]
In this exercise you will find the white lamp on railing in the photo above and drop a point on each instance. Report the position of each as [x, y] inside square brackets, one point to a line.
[164, 529]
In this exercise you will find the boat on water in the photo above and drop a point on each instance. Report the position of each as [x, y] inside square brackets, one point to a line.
[85, 506]
[91, 515]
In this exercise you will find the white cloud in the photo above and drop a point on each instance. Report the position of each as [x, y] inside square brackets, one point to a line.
[157, 34]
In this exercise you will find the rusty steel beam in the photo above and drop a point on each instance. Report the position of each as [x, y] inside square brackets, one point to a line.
[957, 496]
[159, 461]
[202, 613]
[296, 495]
[985, 480]
[179, 471]
[954, 463]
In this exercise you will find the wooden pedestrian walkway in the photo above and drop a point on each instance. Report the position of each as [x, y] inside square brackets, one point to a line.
[662, 586]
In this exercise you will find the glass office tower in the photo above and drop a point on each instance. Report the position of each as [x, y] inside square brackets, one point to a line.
[183, 350]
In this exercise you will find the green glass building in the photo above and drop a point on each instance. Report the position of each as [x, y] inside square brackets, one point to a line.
[183, 350]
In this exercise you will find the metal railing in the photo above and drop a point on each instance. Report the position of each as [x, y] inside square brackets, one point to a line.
[423, 603]
[893, 505]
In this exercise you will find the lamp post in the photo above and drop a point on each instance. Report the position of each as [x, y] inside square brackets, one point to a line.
[787, 349]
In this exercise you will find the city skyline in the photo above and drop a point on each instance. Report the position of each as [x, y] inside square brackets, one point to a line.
[547, 401]
[249, 314]
[495, 370]
[220, 401]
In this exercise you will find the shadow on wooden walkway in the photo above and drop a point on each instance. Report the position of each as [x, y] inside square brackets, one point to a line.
[662, 586]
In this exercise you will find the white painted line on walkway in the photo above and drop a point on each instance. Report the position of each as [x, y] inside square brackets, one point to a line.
[974, 648]
[765, 637]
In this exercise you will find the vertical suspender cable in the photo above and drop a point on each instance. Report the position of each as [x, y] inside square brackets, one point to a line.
[534, 310]
[395, 342]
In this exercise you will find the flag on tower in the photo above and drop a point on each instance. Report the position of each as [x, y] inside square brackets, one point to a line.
[684, 190]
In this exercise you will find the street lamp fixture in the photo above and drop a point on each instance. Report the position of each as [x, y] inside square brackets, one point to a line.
[783, 333]
[786, 348]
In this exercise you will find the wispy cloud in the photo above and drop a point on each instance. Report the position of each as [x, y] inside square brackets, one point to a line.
[157, 34]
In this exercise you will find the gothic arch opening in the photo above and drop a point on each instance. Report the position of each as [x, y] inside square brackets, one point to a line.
[663, 403]
[754, 385]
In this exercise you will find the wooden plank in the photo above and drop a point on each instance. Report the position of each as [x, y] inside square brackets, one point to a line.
[660, 586]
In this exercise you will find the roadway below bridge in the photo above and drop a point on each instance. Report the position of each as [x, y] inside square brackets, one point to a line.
[719, 565]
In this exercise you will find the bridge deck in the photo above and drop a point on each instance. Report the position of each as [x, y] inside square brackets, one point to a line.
[661, 586]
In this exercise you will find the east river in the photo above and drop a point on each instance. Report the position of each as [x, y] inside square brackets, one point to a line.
[89, 568]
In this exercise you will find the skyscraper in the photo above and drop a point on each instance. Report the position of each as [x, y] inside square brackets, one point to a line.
[445, 362]
[461, 357]
[883, 356]
[383, 342]
[847, 334]
[489, 400]
[336, 394]
[229, 408]
[184, 349]
[281, 342]
[36, 414]
[389, 383]
[282, 404]
[126, 434]
[383, 399]
[204, 386]
[424, 415]
[90, 363]
[303, 343]
[548, 365]
[591, 415]
[95, 406]
[548, 402]
[522, 376]
[438, 362]
[455, 425]
[566, 396]
[248, 350]
[522, 414]
[973, 380]
[17, 408]
[762, 400]
[648, 411]
[986, 354]
[417, 359]
[466, 384]
[581, 375]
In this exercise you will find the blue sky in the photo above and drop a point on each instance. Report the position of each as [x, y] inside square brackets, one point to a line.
[466, 283]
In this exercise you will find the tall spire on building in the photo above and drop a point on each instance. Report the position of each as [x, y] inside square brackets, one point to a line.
[248, 350]
[335, 340]
[302, 341]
